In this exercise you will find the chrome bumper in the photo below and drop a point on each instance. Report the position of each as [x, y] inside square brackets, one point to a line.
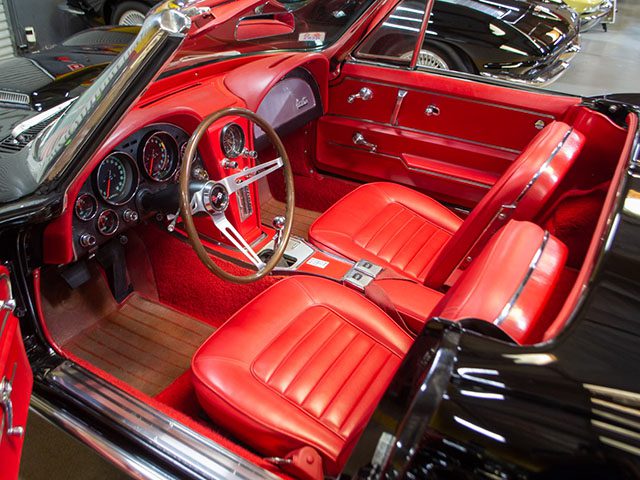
[545, 74]
[589, 20]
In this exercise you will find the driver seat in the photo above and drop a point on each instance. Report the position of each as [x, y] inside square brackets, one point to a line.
[305, 363]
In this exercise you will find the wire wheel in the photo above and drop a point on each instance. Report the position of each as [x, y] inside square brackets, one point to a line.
[131, 17]
[427, 58]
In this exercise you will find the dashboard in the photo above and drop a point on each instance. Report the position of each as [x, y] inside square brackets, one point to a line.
[111, 200]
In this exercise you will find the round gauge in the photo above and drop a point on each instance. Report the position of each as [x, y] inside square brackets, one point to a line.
[232, 140]
[108, 222]
[197, 170]
[160, 156]
[117, 178]
[86, 207]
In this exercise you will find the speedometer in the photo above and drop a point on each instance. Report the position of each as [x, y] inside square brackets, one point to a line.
[117, 178]
[160, 156]
[232, 140]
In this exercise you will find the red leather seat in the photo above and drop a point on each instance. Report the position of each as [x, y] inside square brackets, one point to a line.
[304, 364]
[413, 234]
[307, 361]
[509, 283]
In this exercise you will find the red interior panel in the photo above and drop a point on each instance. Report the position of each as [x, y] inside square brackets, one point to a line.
[454, 155]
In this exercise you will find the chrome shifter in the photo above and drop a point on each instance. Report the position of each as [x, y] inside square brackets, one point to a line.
[278, 223]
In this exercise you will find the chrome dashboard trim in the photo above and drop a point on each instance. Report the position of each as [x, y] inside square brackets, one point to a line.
[185, 449]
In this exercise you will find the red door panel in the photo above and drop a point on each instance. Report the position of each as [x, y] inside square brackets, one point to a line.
[449, 137]
[16, 381]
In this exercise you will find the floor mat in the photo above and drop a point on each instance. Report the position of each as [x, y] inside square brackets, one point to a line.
[143, 343]
[302, 218]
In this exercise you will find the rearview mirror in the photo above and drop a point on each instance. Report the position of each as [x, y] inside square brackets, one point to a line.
[265, 25]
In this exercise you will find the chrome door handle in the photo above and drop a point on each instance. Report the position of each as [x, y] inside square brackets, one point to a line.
[432, 111]
[7, 406]
[364, 94]
[359, 139]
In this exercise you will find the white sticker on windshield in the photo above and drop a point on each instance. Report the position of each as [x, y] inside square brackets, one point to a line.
[311, 37]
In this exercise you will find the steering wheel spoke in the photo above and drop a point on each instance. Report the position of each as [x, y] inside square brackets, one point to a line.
[238, 241]
[213, 198]
[239, 180]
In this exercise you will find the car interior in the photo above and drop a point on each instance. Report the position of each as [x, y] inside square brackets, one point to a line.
[415, 195]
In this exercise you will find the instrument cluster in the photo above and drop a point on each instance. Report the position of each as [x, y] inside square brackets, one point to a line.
[109, 202]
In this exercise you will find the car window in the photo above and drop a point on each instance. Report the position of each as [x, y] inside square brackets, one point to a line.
[395, 38]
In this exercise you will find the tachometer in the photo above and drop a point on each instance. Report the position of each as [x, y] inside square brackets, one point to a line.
[160, 156]
[108, 222]
[232, 140]
[86, 207]
[117, 178]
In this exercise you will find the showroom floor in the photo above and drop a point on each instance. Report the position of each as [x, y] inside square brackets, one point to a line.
[609, 61]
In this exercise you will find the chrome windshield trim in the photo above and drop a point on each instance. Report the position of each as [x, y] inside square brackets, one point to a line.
[68, 137]
[184, 448]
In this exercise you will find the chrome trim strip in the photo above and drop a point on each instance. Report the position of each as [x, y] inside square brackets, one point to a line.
[416, 169]
[7, 305]
[532, 266]
[184, 448]
[453, 97]
[617, 407]
[415, 130]
[132, 465]
[542, 168]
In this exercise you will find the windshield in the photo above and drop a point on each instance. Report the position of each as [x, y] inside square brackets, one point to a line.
[317, 25]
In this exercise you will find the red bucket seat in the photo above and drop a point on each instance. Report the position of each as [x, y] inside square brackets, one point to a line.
[307, 361]
[411, 233]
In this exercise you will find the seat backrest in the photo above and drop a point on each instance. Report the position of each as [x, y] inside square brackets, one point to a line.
[520, 194]
[509, 283]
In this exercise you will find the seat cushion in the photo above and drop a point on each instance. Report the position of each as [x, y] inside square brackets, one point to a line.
[388, 224]
[509, 283]
[304, 364]
[396, 227]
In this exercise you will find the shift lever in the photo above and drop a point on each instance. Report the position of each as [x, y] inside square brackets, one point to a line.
[278, 223]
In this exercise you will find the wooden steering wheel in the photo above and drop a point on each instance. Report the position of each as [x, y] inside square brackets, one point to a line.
[214, 197]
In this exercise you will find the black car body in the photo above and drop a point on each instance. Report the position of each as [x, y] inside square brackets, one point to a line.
[527, 41]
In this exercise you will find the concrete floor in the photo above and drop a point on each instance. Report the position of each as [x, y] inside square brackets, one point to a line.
[609, 62]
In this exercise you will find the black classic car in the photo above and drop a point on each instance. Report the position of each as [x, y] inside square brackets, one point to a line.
[113, 12]
[251, 248]
[529, 41]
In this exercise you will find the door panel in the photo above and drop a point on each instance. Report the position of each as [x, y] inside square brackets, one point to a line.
[449, 137]
[16, 381]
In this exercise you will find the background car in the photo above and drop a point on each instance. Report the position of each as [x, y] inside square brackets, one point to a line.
[591, 12]
[531, 42]
[115, 12]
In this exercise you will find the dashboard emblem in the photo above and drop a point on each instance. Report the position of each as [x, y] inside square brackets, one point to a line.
[302, 102]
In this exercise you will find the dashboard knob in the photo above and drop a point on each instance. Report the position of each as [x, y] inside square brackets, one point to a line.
[229, 164]
[130, 216]
[87, 240]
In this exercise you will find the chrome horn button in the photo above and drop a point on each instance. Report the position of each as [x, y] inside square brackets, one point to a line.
[215, 197]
